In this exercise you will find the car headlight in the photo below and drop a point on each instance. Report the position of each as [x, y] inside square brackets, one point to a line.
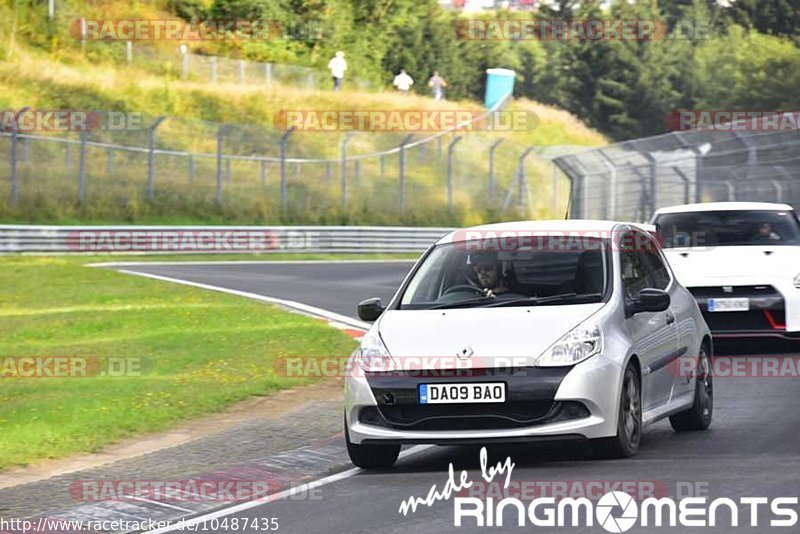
[372, 355]
[797, 281]
[575, 346]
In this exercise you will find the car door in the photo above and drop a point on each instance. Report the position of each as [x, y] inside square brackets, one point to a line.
[682, 306]
[654, 333]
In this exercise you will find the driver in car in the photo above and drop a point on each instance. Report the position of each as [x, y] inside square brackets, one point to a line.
[489, 272]
[765, 233]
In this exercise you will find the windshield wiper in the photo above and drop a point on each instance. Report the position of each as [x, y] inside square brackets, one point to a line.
[536, 301]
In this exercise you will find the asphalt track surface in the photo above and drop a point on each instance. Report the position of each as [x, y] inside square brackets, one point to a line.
[333, 286]
[751, 450]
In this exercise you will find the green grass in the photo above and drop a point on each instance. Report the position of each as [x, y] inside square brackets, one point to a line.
[48, 187]
[201, 351]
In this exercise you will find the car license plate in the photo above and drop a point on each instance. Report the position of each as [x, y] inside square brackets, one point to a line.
[462, 393]
[728, 305]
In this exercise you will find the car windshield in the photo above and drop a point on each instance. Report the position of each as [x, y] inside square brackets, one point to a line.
[466, 274]
[728, 228]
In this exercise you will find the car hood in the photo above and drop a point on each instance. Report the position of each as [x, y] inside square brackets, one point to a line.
[491, 335]
[697, 267]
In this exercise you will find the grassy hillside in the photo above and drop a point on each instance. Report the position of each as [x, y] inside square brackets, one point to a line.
[69, 80]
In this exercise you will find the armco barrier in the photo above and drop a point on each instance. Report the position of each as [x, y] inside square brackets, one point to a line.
[214, 239]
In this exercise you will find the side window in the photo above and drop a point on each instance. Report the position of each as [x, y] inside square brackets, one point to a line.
[659, 274]
[634, 272]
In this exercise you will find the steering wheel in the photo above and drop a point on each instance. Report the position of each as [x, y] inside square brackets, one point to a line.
[463, 287]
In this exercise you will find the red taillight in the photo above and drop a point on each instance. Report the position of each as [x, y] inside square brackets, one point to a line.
[772, 322]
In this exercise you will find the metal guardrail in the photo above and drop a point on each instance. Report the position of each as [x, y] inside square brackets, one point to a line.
[214, 239]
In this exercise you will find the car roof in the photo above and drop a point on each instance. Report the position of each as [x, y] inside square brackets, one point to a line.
[548, 226]
[724, 206]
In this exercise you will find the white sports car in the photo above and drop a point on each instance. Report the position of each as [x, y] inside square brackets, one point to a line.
[741, 261]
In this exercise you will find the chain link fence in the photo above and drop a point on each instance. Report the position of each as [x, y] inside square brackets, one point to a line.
[192, 167]
[630, 180]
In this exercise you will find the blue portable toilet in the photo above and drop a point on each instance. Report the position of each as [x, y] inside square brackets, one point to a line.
[499, 84]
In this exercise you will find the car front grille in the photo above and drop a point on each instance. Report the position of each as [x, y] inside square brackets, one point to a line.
[472, 416]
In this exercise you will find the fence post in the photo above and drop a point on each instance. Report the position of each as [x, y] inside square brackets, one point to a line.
[346, 140]
[450, 184]
[129, 51]
[14, 174]
[184, 50]
[682, 176]
[213, 69]
[83, 36]
[241, 71]
[223, 129]
[151, 158]
[283, 142]
[191, 168]
[268, 73]
[357, 172]
[491, 185]
[82, 165]
[612, 193]
[402, 193]
[14, 171]
[652, 193]
[26, 150]
[263, 173]
[523, 183]
[110, 162]
[68, 156]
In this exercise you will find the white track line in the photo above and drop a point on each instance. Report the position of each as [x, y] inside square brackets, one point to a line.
[235, 262]
[313, 310]
[299, 306]
[303, 488]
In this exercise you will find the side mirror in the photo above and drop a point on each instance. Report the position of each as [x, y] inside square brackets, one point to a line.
[649, 300]
[369, 310]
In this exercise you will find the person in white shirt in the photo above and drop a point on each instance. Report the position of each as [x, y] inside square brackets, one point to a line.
[403, 81]
[337, 65]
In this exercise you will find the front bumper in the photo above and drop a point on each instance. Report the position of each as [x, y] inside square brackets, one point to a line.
[541, 404]
[767, 316]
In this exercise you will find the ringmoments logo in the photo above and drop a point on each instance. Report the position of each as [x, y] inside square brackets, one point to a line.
[614, 511]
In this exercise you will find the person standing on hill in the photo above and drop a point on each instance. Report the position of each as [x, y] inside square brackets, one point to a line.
[437, 83]
[337, 65]
[403, 81]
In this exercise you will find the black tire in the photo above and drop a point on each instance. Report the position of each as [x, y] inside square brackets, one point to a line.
[698, 417]
[629, 419]
[371, 456]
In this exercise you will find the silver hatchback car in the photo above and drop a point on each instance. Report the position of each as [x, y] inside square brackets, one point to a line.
[530, 331]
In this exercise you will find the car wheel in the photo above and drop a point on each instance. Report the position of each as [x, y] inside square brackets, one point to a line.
[629, 420]
[370, 456]
[698, 417]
